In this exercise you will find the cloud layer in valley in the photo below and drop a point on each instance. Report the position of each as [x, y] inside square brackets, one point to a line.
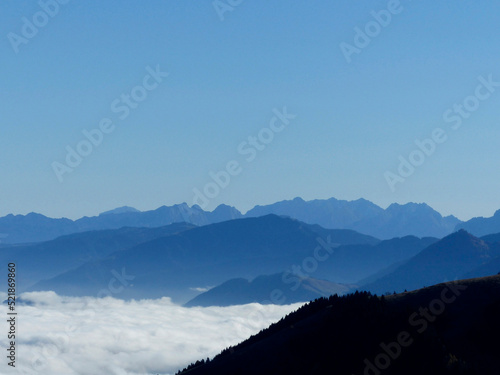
[87, 336]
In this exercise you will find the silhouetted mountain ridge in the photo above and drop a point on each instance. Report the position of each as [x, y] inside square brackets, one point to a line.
[365, 217]
[360, 215]
[244, 248]
[364, 334]
[36, 228]
[481, 226]
[45, 260]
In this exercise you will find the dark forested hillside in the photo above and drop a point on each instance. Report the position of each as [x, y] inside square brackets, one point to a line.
[450, 328]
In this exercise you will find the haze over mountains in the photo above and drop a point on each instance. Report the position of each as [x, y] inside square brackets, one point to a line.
[344, 270]
[456, 256]
[361, 215]
[365, 217]
[273, 258]
[299, 260]
[480, 226]
[281, 260]
[177, 264]
[256, 253]
[48, 259]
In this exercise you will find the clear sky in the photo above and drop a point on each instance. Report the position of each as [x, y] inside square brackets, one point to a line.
[226, 77]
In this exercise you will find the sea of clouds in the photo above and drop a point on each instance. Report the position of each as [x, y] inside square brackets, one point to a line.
[59, 335]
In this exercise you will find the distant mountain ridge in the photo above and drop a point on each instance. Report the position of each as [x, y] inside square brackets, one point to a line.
[481, 226]
[36, 227]
[365, 217]
[45, 260]
[120, 210]
[360, 215]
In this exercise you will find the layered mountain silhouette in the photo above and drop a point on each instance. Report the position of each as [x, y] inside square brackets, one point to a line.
[361, 215]
[347, 263]
[180, 260]
[267, 289]
[36, 228]
[48, 259]
[33, 228]
[481, 226]
[178, 265]
[450, 328]
[452, 258]
[205, 256]
[365, 217]
[491, 267]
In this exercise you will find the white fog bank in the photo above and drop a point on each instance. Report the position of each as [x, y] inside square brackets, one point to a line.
[87, 336]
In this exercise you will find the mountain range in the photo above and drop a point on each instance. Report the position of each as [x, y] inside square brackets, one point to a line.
[481, 226]
[395, 265]
[365, 217]
[182, 264]
[36, 227]
[361, 215]
[231, 259]
[179, 264]
[347, 265]
[48, 259]
[255, 255]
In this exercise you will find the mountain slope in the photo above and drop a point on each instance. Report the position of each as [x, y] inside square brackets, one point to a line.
[33, 228]
[491, 238]
[449, 259]
[265, 290]
[178, 265]
[492, 267]
[48, 259]
[352, 263]
[449, 328]
[212, 254]
[481, 226]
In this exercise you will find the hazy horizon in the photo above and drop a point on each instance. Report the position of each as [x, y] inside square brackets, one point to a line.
[76, 217]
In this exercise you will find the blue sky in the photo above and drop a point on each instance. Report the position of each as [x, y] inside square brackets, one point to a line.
[353, 119]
